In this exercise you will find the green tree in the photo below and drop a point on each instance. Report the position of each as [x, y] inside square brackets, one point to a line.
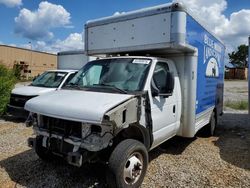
[7, 82]
[239, 58]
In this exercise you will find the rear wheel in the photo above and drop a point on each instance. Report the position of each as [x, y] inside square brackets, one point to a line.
[211, 127]
[127, 164]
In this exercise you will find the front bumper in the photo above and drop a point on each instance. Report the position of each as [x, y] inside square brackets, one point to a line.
[75, 158]
[76, 151]
[18, 112]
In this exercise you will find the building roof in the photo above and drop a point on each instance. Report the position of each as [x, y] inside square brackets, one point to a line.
[72, 52]
[36, 51]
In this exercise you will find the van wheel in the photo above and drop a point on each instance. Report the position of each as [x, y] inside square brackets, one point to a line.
[211, 127]
[127, 164]
[42, 152]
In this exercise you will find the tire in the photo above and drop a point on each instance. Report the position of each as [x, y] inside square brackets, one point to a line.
[128, 159]
[42, 152]
[211, 127]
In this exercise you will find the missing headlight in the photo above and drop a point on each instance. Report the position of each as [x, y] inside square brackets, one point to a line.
[31, 120]
[96, 129]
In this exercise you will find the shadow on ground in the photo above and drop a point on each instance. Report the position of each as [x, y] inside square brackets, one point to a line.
[28, 170]
[234, 139]
[13, 119]
[174, 146]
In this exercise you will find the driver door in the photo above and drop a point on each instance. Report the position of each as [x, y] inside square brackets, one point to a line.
[163, 109]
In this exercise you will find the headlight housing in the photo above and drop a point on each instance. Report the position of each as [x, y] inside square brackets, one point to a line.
[32, 120]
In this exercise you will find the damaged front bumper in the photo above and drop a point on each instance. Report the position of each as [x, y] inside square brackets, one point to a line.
[75, 141]
[74, 158]
[92, 142]
[79, 141]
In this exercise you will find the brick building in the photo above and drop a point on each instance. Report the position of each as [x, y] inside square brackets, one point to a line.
[31, 62]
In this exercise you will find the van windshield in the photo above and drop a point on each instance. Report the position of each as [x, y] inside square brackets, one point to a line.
[49, 79]
[121, 74]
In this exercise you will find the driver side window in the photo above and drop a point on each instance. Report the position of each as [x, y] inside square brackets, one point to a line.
[159, 76]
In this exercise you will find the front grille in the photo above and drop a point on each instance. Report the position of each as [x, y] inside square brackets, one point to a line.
[62, 127]
[19, 100]
[60, 146]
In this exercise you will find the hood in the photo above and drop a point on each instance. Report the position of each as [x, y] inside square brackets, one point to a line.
[31, 90]
[83, 106]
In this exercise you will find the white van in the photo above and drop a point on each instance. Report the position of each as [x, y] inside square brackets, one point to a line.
[50, 80]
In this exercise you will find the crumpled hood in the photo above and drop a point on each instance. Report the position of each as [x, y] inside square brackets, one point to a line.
[31, 90]
[74, 105]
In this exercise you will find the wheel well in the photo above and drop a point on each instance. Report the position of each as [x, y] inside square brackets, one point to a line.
[136, 132]
[216, 115]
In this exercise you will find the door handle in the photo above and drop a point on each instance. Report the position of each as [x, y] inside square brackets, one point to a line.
[174, 109]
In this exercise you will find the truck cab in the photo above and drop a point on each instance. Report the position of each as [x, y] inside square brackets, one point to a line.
[108, 100]
[48, 81]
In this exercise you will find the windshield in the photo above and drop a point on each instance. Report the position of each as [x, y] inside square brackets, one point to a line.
[49, 79]
[123, 75]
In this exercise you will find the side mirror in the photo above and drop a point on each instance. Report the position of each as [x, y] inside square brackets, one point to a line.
[167, 87]
[170, 82]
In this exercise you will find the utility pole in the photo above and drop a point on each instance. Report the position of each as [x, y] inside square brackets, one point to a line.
[31, 59]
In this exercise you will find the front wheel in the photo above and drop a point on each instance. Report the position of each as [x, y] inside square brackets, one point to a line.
[127, 164]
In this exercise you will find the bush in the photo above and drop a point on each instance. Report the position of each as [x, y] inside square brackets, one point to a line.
[237, 105]
[17, 71]
[7, 83]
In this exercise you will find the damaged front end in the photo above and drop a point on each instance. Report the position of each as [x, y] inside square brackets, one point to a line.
[79, 142]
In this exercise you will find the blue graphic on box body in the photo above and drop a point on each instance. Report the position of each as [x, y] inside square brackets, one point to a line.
[210, 66]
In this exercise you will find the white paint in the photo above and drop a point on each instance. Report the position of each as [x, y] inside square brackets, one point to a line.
[31, 90]
[83, 106]
[112, 35]
[72, 61]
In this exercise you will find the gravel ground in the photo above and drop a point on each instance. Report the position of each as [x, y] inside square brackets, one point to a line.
[219, 161]
[236, 90]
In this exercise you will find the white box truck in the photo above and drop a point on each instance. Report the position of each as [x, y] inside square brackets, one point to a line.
[163, 76]
[72, 59]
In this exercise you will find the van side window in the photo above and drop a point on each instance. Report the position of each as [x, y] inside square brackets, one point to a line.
[159, 76]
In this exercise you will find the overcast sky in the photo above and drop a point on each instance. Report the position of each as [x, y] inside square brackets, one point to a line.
[57, 25]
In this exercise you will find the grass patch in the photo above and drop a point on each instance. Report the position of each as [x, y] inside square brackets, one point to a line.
[242, 91]
[237, 105]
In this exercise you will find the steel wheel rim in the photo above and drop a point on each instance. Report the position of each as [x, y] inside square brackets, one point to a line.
[133, 168]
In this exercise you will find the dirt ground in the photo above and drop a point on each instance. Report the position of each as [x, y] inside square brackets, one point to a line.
[219, 161]
[236, 90]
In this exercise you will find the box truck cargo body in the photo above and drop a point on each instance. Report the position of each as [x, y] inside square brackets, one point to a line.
[169, 32]
[162, 77]
[72, 59]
